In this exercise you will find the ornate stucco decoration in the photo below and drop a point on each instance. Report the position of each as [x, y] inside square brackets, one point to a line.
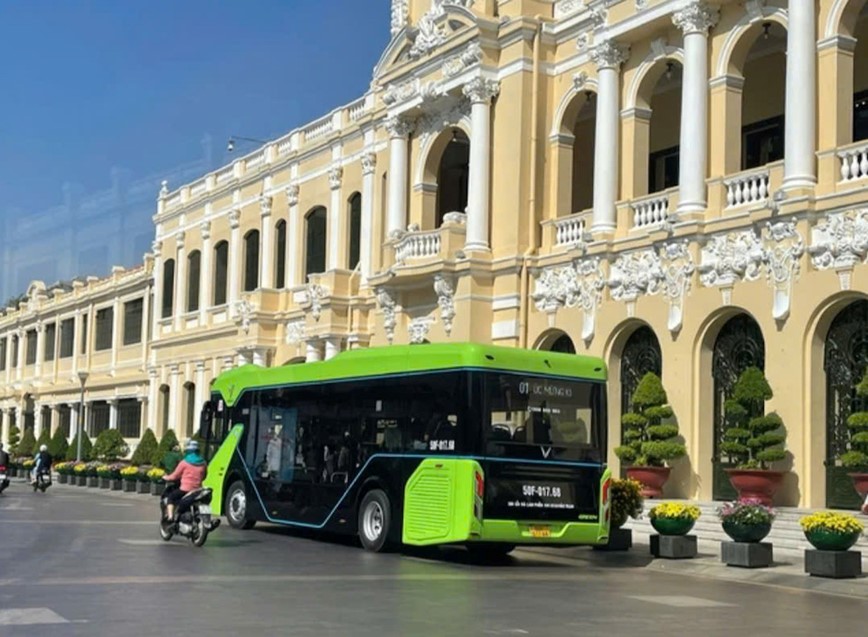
[314, 294]
[729, 258]
[336, 176]
[437, 119]
[480, 89]
[564, 8]
[235, 218]
[696, 17]
[456, 64]
[445, 292]
[265, 205]
[784, 249]
[591, 284]
[577, 285]
[419, 328]
[400, 11]
[369, 163]
[244, 310]
[395, 93]
[635, 274]
[754, 9]
[429, 35]
[580, 80]
[609, 54]
[678, 268]
[398, 126]
[292, 193]
[840, 242]
[295, 332]
[388, 306]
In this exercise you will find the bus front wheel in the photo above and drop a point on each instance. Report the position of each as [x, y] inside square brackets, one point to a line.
[236, 507]
[375, 519]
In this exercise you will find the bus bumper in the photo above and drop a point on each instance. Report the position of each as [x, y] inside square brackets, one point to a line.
[542, 533]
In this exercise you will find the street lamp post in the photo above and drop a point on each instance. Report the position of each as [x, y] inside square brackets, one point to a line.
[82, 378]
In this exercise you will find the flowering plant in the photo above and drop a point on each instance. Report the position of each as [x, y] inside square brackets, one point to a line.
[746, 512]
[28, 464]
[626, 501]
[106, 471]
[842, 523]
[130, 474]
[155, 474]
[675, 510]
[80, 468]
[63, 468]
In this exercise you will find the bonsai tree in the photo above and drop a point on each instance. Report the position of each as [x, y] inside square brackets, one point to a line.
[58, 446]
[44, 439]
[86, 448]
[27, 444]
[167, 443]
[649, 441]
[752, 439]
[110, 445]
[857, 426]
[14, 439]
[146, 449]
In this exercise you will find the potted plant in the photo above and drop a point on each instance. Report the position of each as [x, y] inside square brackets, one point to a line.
[86, 448]
[129, 476]
[104, 473]
[146, 449]
[856, 456]
[143, 482]
[63, 470]
[58, 446]
[27, 465]
[674, 518]
[752, 439]
[649, 442]
[832, 535]
[92, 477]
[110, 445]
[155, 475]
[746, 520]
[626, 502]
[115, 482]
[80, 471]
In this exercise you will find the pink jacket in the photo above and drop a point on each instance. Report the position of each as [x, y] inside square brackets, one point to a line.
[191, 475]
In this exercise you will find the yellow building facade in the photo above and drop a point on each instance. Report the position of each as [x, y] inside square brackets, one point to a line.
[676, 187]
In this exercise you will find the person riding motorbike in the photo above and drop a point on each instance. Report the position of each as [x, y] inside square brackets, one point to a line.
[42, 464]
[4, 464]
[191, 471]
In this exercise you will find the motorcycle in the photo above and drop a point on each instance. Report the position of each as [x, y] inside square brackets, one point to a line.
[192, 516]
[4, 481]
[43, 481]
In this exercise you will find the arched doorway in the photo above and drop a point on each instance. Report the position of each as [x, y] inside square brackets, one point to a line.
[453, 176]
[739, 345]
[641, 355]
[556, 341]
[845, 362]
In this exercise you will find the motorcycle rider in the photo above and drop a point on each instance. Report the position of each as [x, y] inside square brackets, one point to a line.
[4, 466]
[42, 465]
[191, 471]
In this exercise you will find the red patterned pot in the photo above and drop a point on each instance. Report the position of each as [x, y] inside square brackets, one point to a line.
[755, 484]
[860, 482]
[651, 478]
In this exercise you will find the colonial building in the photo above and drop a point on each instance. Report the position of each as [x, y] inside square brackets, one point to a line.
[673, 186]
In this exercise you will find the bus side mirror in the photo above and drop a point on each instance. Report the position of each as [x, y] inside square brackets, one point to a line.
[205, 420]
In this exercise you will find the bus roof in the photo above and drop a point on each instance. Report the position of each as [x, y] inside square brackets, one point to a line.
[406, 359]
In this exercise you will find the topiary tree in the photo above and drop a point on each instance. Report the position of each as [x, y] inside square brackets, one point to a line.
[44, 439]
[58, 446]
[752, 439]
[86, 448]
[148, 446]
[857, 426]
[110, 445]
[649, 442]
[14, 439]
[27, 444]
[167, 443]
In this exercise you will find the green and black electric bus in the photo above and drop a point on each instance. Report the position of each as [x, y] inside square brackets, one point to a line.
[421, 444]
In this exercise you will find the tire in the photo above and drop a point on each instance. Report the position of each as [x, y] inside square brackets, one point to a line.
[165, 532]
[201, 535]
[490, 550]
[375, 520]
[236, 507]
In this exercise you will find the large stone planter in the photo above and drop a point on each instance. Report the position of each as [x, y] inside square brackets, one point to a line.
[143, 487]
[755, 484]
[746, 554]
[651, 478]
[129, 486]
[833, 564]
[81, 481]
[104, 483]
[63, 478]
[746, 532]
[157, 488]
[115, 484]
[93, 482]
[673, 547]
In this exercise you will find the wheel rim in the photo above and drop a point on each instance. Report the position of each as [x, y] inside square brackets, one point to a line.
[238, 505]
[373, 521]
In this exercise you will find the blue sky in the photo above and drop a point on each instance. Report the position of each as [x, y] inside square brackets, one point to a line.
[88, 85]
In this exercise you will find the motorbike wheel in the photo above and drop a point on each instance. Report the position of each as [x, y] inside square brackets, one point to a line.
[166, 532]
[201, 535]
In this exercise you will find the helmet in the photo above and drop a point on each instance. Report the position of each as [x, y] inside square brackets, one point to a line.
[192, 445]
[43, 448]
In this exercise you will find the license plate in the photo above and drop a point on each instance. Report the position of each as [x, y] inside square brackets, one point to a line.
[204, 509]
[2, 476]
[540, 531]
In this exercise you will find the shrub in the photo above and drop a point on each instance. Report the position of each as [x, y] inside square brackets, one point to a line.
[44, 439]
[86, 448]
[110, 445]
[167, 443]
[626, 501]
[14, 439]
[58, 446]
[27, 444]
[649, 442]
[144, 453]
[752, 439]
[856, 457]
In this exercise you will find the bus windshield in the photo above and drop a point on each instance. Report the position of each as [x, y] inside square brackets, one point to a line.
[542, 418]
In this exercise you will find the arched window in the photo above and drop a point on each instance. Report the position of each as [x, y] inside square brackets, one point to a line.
[315, 243]
[355, 225]
[189, 409]
[251, 260]
[453, 176]
[860, 78]
[641, 355]
[664, 143]
[221, 271]
[193, 272]
[168, 306]
[763, 96]
[280, 254]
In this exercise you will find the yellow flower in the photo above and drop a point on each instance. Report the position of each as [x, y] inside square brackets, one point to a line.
[675, 510]
[842, 523]
[156, 473]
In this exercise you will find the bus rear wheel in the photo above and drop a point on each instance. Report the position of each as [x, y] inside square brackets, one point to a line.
[375, 520]
[236, 507]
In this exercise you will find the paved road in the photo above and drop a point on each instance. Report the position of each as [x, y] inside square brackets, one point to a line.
[83, 562]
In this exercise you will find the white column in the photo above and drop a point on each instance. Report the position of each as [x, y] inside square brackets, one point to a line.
[19, 370]
[312, 351]
[332, 347]
[74, 420]
[201, 388]
[801, 104]
[266, 244]
[4, 427]
[369, 169]
[157, 313]
[40, 348]
[398, 129]
[206, 275]
[293, 248]
[694, 20]
[113, 413]
[37, 419]
[480, 92]
[259, 356]
[116, 331]
[54, 422]
[9, 365]
[234, 256]
[180, 279]
[608, 56]
[175, 401]
[335, 217]
[153, 392]
[146, 317]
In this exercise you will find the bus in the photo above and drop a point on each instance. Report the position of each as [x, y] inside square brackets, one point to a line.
[486, 446]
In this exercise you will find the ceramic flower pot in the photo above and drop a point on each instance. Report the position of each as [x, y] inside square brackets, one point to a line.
[860, 483]
[672, 526]
[651, 478]
[746, 532]
[825, 540]
[755, 484]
